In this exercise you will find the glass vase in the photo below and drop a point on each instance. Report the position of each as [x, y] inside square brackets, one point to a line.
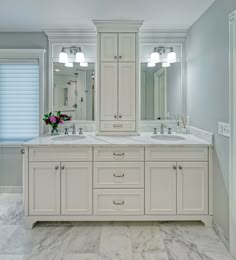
[54, 130]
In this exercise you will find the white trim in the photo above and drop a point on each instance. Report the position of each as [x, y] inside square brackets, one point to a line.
[118, 25]
[31, 54]
[11, 189]
[232, 108]
[221, 234]
[64, 38]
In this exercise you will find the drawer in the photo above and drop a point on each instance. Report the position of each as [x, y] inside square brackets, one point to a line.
[118, 202]
[118, 175]
[176, 153]
[118, 126]
[119, 153]
[69, 154]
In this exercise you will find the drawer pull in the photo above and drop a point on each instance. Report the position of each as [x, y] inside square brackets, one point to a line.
[180, 167]
[117, 125]
[174, 167]
[63, 167]
[118, 202]
[118, 154]
[56, 168]
[119, 175]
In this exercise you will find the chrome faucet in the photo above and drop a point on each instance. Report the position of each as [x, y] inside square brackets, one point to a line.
[162, 128]
[73, 129]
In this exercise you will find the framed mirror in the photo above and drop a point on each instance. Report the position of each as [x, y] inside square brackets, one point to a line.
[74, 90]
[162, 81]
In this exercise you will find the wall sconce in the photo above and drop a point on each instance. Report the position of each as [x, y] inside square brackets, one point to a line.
[157, 56]
[76, 51]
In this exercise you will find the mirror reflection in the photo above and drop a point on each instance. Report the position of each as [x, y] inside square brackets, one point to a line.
[161, 91]
[73, 90]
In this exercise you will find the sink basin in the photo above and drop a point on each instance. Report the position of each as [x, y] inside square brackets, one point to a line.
[168, 137]
[68, 138]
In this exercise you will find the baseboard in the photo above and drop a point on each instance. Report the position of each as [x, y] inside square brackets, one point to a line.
[221, 234]
[11, 189]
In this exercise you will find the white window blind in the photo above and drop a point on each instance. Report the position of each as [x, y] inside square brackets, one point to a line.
[19, 100]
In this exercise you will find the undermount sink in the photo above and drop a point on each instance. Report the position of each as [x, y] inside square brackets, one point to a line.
[68, 138]
[168, 137]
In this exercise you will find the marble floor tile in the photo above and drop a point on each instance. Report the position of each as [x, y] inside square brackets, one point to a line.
[115, 243]
[80, 257]
[5, 233]
[193, 242]
[12, 257]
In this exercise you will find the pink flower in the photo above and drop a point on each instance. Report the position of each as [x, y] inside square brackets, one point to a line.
[53, 119]
[61, 122]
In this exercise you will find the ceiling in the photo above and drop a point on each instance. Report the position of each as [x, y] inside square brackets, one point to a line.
[37, 15]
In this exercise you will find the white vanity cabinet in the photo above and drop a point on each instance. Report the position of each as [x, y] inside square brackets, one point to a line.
[117, 76]
[118, 47]
[108, 182]
[60, 187]
[44, 188]
[177, 187]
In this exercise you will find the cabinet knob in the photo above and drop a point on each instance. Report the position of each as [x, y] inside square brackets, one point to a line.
[63, 167]
[56, 167]
[120, 116]
[115, 57]
[120, 57]
[22, 151]
[115, 116]
[180, 167]
[174, 167]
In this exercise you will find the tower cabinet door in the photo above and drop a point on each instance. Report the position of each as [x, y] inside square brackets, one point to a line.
[76, 188]
[160, 188]
[44, 188]
[108, 93]
[109, 47]
[192, 188]
[127, 51]
[127, 93]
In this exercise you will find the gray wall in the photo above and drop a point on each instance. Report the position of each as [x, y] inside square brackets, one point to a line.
[10, 158]
[208, 93]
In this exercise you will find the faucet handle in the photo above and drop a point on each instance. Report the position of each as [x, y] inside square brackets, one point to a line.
[81, 131]
[154, 130]
[169, 131]
[66, 131]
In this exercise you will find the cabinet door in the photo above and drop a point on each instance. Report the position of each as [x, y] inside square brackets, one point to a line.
[126, 91]
[127, 47]
[109, 47]
[192, 188]
[44, 188]
[108, 95]
[76, 188]
[160, 188]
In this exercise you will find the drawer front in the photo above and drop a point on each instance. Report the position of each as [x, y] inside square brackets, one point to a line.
[119, 154]
[69, 154]
[118, 126]
[118, 202]
[118, 175]
[176, 153]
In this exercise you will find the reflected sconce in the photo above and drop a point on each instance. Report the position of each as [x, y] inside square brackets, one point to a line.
[73, 51]
[151, 64]
[159, 55]
[84, 64]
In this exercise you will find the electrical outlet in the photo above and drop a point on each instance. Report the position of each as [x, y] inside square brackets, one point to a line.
[224, 129]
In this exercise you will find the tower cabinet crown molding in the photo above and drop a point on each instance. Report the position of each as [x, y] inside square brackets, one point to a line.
[117, 76]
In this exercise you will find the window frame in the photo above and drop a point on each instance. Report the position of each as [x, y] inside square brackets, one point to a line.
[39, 54]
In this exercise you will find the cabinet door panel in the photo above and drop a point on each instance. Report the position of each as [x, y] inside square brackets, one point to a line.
[44, 188]
[76, 188]
[126, 91]
[127, 47]
[109, 47]
[192, 188]
[160, 188]
[108, 95]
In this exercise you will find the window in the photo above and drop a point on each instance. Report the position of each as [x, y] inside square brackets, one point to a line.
[20, 98]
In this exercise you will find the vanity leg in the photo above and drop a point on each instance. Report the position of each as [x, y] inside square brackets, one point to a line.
[207, 221]
[29, 223]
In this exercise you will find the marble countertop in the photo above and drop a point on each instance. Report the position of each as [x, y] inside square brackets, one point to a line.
[144, 139]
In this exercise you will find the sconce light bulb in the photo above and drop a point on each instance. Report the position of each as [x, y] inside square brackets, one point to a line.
[63, 56]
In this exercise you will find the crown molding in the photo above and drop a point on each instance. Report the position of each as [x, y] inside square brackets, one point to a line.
[117, 25]
[57, 36]
[162, 35]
